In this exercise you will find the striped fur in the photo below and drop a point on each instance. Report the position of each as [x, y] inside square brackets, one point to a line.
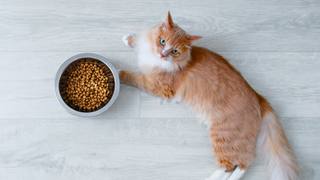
[206, 82]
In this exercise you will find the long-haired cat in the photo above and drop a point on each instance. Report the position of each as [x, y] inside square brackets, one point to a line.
[240, 119]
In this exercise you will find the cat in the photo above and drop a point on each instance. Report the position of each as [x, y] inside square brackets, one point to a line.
[239, 118]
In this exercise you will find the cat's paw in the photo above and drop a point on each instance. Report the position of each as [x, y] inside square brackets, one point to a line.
[237, 174]
[220, 174]
[121, 74]
[128, 40]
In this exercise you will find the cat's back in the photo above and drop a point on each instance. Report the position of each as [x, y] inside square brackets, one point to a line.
[209, 78]
[203, 56]
[211, 65]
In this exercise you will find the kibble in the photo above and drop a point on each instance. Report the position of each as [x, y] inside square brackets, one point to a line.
[87, 87]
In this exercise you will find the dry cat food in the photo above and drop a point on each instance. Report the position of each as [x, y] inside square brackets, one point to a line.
[87, 86]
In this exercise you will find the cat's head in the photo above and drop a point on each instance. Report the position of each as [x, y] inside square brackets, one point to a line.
[172, 44]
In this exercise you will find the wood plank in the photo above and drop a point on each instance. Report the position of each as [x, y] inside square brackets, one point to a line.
[97, 25]
[288, 80]
[130, 149]
[27, 89]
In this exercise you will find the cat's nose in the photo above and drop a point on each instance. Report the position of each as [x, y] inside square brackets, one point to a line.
[162, 55]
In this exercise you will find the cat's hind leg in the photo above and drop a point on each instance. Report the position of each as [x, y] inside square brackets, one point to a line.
[129, 40]
[233, 144]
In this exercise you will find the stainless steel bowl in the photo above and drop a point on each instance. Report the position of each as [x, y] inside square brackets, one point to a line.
[61, 78]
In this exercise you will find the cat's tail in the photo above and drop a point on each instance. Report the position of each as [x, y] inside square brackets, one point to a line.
[272, 142]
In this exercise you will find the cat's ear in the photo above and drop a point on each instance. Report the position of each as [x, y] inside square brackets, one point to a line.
[168, 23]
[194, 38]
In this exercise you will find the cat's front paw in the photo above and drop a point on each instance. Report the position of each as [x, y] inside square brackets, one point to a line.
[128, 40]
[121, 74]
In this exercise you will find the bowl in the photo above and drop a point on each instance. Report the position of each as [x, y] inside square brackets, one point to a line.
[68, 66]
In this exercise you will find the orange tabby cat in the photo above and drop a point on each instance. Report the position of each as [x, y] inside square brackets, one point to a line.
[239, 118]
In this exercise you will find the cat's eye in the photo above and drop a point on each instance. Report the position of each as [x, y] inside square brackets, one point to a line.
[162, 42]
[175, 51]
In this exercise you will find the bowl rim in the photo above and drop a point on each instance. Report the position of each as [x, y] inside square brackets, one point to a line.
[63, 67]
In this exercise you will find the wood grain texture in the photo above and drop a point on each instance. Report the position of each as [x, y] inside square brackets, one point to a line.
[98, 25]
[28, 86]
[130, 149]
[274, 44]
[288, 80]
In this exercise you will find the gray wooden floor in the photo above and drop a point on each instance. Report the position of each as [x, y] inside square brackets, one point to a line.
[275, 44]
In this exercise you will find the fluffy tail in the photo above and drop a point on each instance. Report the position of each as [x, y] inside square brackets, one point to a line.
[281, 162]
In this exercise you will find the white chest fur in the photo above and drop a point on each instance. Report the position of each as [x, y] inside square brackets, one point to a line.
[147, 57]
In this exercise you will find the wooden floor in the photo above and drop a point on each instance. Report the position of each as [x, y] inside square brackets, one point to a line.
[274, 44]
